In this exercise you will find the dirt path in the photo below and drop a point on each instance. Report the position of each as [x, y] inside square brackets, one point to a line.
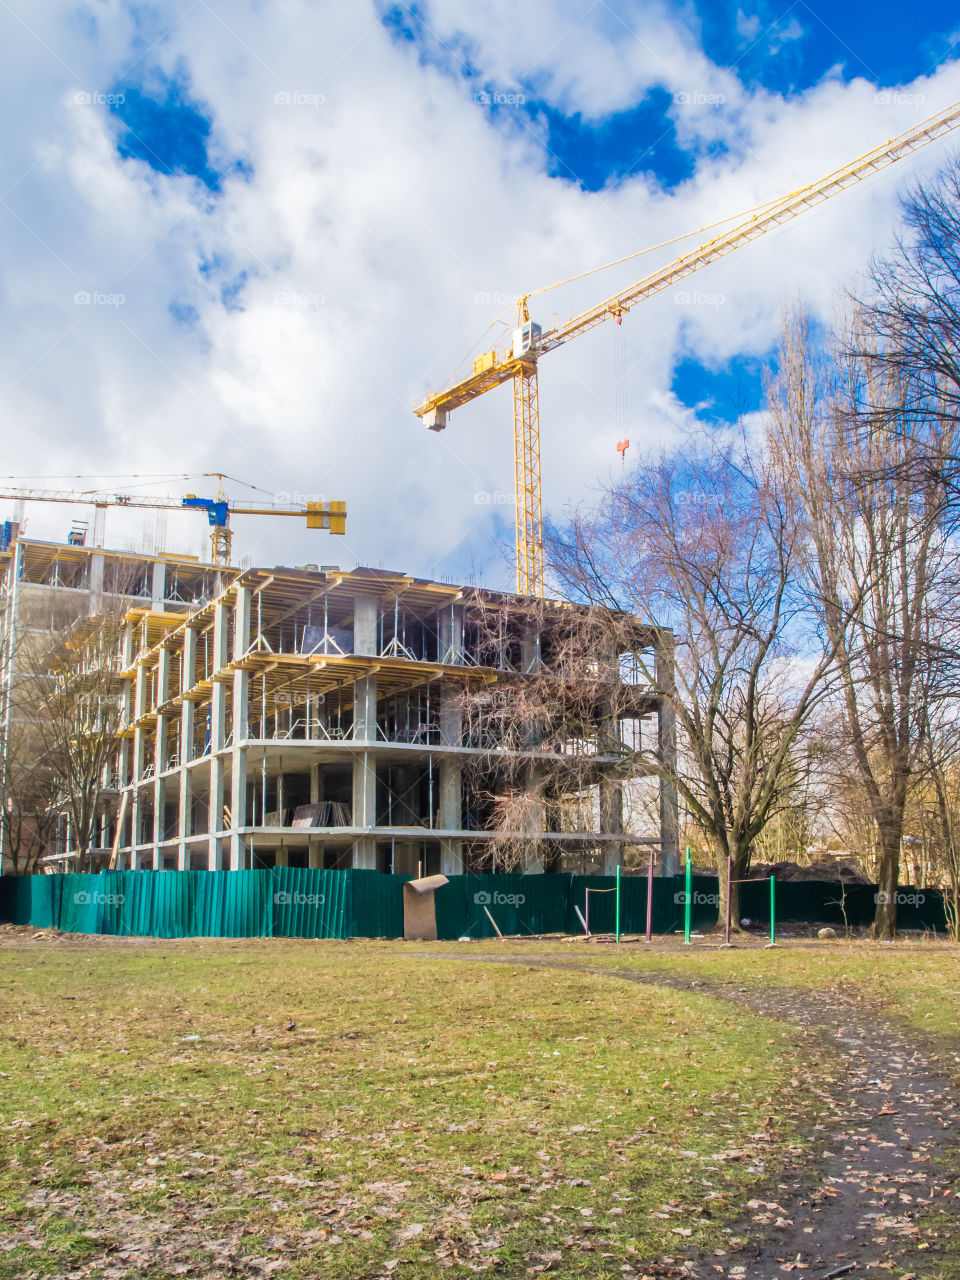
[890, 1146]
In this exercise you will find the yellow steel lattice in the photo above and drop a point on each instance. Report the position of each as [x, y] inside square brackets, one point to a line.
[526, 452]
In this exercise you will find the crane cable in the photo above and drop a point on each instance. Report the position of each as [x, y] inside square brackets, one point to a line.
[503, 317]
[663, 244]
[620, 388]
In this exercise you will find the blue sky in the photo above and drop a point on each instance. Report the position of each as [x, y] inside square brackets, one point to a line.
[291, 222]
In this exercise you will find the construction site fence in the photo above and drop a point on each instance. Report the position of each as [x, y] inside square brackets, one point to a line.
[287, 902]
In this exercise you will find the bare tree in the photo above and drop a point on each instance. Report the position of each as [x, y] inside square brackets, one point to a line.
[911, 319]
[702, 540]
[877, 562]
[29, 794]
[546, 731]
[72, 690]
[791, 832]
[934, 810]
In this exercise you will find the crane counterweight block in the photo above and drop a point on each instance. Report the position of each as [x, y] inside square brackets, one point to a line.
[327, 515]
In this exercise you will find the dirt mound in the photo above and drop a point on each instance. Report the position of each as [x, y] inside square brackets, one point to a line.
[821, 869]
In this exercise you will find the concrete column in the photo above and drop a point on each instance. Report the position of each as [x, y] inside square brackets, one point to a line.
[241, 679]
[188, 669]
[238, 807]
[239, 708]
[611, 821]
[365, 709]
[217, 734]
[365, 625]
[159, 757]
[218, 700]
[316, 783]
[365, 767]
[451, 715]
[535, 824]
[96, 583]
[450, 780]
[127, 645]
[365, 807]
[667, 749]
[136, 808]
[184, 824]
[215, 815]
[158, 582]
[315, 855]
[450, 815]
[530, 648]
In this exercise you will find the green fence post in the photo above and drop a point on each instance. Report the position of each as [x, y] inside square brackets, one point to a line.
[773, 911]
[618, 903]
[688, 904]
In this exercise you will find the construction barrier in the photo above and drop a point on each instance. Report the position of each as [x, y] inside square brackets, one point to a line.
[288, 902]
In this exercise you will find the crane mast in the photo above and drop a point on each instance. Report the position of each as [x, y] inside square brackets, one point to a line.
[518, 362]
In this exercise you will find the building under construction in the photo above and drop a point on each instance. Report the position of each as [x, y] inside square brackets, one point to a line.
[364, 718]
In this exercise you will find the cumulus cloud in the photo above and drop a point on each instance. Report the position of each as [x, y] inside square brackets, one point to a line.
[371, 216]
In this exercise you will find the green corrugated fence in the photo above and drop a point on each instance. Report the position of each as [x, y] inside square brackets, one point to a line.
[283, 902]
[287, 902]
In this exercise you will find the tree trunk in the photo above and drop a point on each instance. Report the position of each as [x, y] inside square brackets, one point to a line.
[888, 878]
[740, 864]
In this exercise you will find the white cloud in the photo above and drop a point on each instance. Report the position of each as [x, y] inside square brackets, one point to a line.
[383, 200]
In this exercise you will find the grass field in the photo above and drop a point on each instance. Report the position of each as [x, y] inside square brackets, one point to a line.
[916, 979]
[369, 1109]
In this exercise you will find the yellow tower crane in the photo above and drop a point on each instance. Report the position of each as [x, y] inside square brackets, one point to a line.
[518, 361]
[331, 516]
